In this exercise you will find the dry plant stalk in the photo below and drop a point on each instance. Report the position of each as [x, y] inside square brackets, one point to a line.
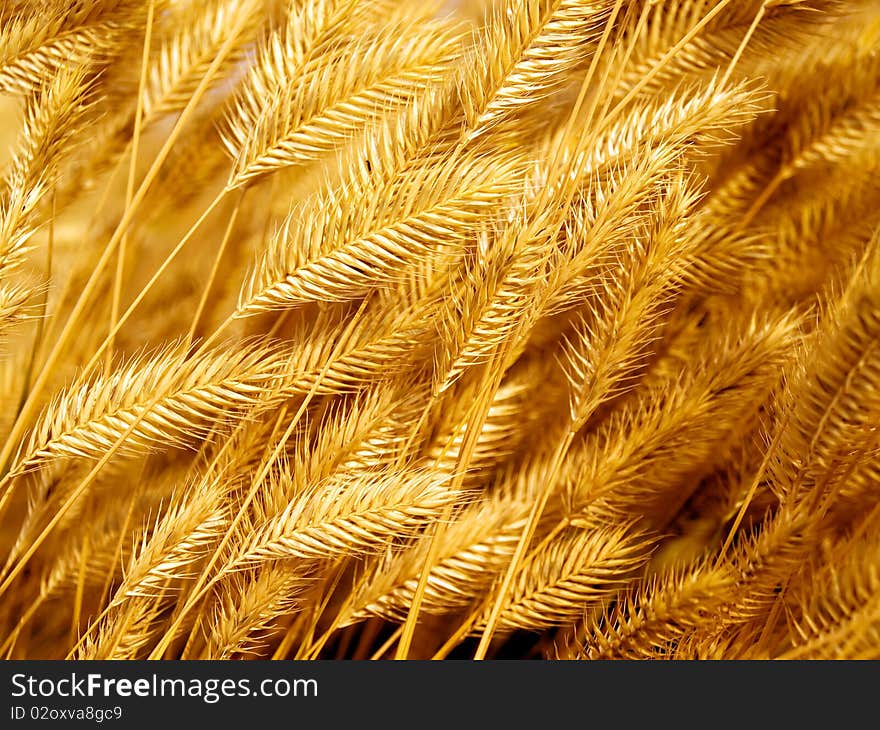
[484, 329]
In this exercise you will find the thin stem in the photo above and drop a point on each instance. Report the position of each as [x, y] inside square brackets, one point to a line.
[524, 539]
[129, 187]
[475, 422]
[169, 259]
[41, 320]
[214, 269]
[669, 55]
[742, 46]
[389, 642]
[80, 587]
[454, 640]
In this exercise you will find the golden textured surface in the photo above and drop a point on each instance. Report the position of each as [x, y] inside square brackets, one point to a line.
[524, 328]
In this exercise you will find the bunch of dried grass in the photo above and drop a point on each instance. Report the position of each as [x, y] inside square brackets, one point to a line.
[371, 328]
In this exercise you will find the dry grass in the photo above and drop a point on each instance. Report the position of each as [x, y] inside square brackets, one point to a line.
[481, 329]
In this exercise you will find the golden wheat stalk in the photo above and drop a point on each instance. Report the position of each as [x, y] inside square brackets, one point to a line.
[356, 327]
